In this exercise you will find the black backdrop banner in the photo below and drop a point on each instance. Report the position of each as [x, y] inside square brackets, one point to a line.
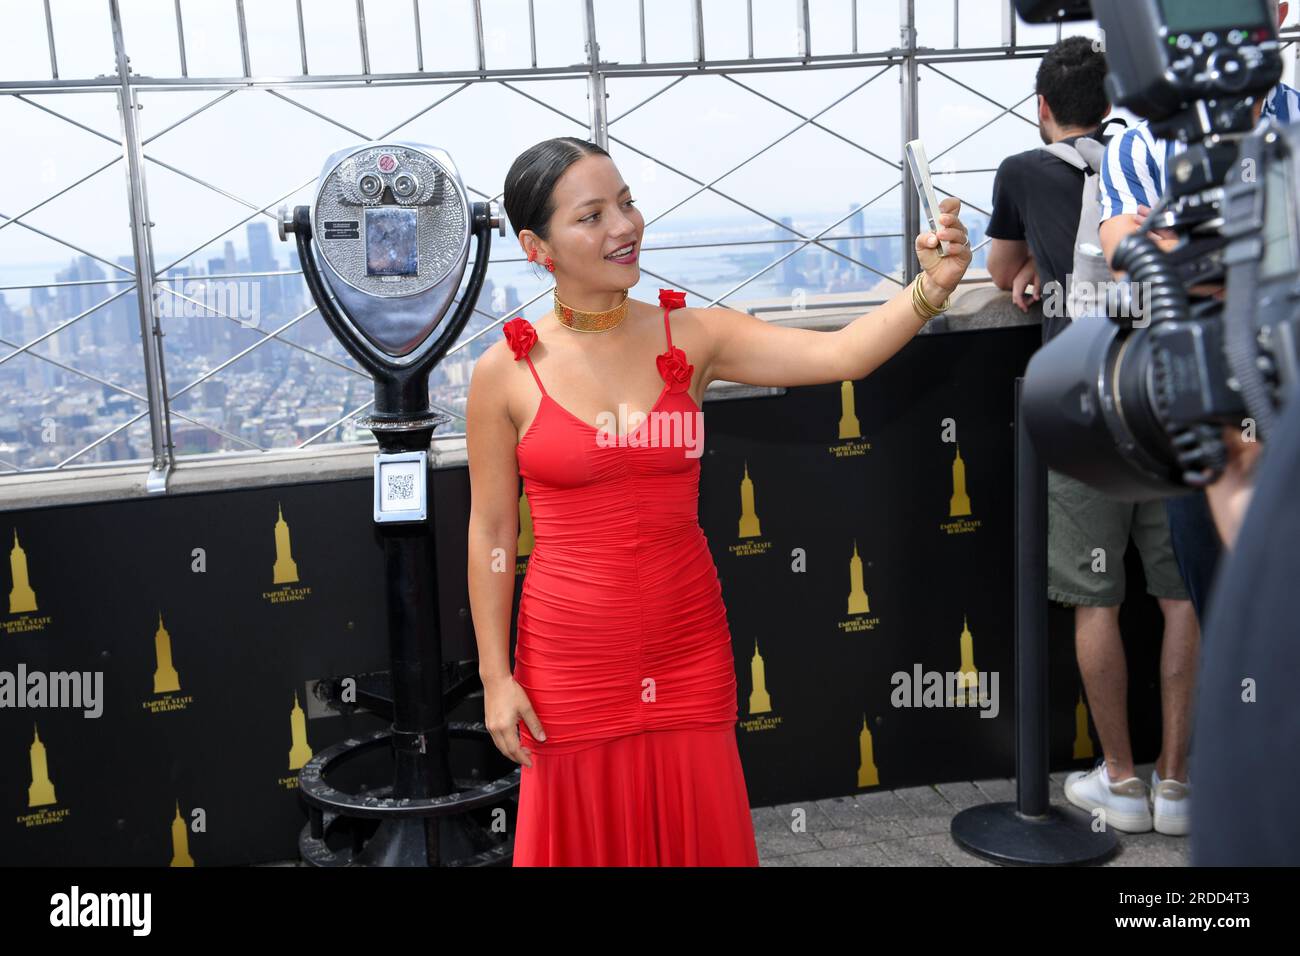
[863, 537]
[864, 533]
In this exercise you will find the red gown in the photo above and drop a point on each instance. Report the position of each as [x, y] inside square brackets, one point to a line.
[623, 644]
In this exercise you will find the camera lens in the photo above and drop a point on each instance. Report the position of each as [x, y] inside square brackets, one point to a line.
[1091, 408]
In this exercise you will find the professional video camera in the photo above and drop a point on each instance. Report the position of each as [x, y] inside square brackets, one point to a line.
[1136, 408]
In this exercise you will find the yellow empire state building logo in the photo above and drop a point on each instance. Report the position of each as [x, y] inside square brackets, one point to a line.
[967, 676]
[849, 427]
[748, 517]
[858, 603]
[759, 700]
[959, 503]
[868, 776]
[1082, 739]
[286, 569]
[21, 596]
[165, 678]
[41, 792]
[180, 840]
[526, 543]
[300, 751]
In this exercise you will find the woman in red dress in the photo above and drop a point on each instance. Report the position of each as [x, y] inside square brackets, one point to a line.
[621, 704]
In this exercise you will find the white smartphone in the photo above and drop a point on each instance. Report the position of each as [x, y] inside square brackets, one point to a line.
[920, 167]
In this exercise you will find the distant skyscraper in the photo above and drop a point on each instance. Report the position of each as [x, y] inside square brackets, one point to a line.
[259, 246]
[261, 259]
[856, 226]
[292, 287]
[124, 312]
[187, 323]
[220, 330]
[73, 300]
[791, 274]
[10, 323]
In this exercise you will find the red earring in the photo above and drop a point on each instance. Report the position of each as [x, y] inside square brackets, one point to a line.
[550, 266]
[532, 255]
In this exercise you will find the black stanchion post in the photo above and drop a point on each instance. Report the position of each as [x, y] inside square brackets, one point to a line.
[1031, 831]
[1031, 624]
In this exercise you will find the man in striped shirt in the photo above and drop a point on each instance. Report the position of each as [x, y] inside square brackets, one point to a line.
[1133, 173]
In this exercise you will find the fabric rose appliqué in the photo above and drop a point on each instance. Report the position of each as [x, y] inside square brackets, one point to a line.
[521, 335]
[669, 299]
[674, 370]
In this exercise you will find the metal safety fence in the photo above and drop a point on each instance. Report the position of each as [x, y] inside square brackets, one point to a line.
[150, 283]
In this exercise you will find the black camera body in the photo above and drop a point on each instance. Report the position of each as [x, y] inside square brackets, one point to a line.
[1136, 408]
[1166, 54]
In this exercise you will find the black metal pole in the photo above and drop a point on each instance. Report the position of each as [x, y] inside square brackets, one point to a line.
[1031, 624]
[1031, 831]
[420, 743]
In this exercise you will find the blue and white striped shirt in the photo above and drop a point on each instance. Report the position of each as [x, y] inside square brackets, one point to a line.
[1133, 170]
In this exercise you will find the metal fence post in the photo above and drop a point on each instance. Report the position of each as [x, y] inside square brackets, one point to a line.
[911, 130]
[164, 454]
[596, 108]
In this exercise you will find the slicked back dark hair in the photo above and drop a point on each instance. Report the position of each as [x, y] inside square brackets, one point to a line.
[530, 184]
[1072, 79]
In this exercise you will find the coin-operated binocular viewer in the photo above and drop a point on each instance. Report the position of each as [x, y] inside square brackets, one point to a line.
[384, 249]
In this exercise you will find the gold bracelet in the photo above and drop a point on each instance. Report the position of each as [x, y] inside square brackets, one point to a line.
[943, 306]
[921, 305]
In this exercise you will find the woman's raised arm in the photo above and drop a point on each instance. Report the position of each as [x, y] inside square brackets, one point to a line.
[747, 349]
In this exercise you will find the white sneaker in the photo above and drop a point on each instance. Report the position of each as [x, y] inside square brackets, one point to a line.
[1123, 803]
[1171, 804]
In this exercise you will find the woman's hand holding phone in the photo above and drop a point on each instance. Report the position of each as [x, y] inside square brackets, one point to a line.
[943, 273]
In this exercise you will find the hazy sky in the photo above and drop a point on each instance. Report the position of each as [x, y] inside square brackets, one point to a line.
[257, 146]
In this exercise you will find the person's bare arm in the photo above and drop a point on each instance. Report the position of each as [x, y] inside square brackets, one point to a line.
[1229, 497]
[1114, 229]
[1007, 257]
[1025, 278]
[490, 438]
[747, 349]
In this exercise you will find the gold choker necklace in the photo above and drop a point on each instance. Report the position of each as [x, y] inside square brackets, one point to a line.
[581, 321]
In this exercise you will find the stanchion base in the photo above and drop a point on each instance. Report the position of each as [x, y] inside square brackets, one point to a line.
[1061, 837]
[463, 842]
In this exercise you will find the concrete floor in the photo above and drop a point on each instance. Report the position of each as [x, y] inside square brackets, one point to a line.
[910, 827]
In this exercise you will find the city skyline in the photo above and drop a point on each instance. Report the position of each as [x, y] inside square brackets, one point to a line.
[709, 160]
[277, 395]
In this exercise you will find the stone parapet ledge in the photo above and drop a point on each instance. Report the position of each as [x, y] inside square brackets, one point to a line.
[977, 305]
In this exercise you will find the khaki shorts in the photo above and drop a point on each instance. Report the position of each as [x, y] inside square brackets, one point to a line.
[1087, 535]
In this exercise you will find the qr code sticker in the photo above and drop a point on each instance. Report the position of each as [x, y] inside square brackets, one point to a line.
[401, 487]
